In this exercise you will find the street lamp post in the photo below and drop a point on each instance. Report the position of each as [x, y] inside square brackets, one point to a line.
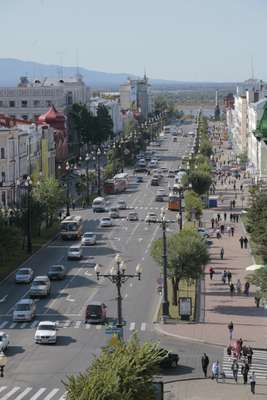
[3, 362]
[98, 154]
[28, 185]
[165, 302]
[118, 276]
[87, 158]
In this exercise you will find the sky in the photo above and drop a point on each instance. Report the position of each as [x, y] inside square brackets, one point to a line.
[184, 40]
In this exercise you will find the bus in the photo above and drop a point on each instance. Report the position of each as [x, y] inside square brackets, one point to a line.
[113, 186]
[174, 202]
[123, 176]
[71, 228]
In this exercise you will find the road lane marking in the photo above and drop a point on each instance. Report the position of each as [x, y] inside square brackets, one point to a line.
[38, 394]
[132, 326]
[3, 324]
[51, 394]
[22, 326]
[98, 327]
[63, 397]
[34, 324]
[12, 326]
[2, 388]
[3, 299]
[87, 326]
[126, 295]
[143, 326]
[24, 393]
[77, 324]
[69, 298]
[9, 394]
[66, 324]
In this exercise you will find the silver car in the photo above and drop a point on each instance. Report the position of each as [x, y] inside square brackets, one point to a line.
[25, 310]
[41, 286]
[75, 252]
[88, 238]
[24, 275]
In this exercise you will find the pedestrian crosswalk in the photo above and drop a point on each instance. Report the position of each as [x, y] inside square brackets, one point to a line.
[259, 364]
[29, 393]
[73, 324]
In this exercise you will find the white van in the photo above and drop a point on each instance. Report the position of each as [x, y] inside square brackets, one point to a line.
[99, 204]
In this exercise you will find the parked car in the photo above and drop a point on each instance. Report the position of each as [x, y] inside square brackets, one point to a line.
[96, 312]
[56, 272]
[88, 239]
[151, 217]
[203, 232]
[24, 275]
[4, 341]
[46, 332]
[132, 216]
[40, 287]
[105, 222]
[169, 361]
[122, 205]
[25, 310]
[75, 252]
[114, 212]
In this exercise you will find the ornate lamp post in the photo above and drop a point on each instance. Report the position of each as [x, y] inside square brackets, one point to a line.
[3, 362]
[165, 302]
[118, 276]
[28, 186]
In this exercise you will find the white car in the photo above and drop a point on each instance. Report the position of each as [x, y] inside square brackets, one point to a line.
[114, 212]
[4, 341]
[41, 286]
[151, 217]
[46, 332]
[132, 216]
[122, 205]
[25, 310]
[88, 239]
[24, 275]
[105, 222]
[75, 252]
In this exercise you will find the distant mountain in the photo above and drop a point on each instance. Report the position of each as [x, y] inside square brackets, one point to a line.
[11, 70]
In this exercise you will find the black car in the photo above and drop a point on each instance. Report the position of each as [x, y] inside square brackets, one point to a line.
[169, 361]
[139, 179]
[56, 272]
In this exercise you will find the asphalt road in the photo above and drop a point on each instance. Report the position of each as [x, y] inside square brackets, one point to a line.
[35, 371]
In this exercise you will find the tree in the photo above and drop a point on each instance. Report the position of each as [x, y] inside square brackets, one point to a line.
[122, 372]
[103, 127]
[187, 254]
[193, 205]
[9, 238]
[199, 179]
[51, 195]
[82, 124]
[205, 148]
[259, 279]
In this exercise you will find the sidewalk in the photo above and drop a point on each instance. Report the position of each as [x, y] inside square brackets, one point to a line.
[218, 308]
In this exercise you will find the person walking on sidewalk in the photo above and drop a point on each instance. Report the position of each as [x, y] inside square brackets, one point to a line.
[211, 271]
[237, 217]
[228, 230]
[238, 286]
[222, 229]
[212, 222]
[245, 242]
[244, 372]
[232, 230]
[252, 381]
[225, 216]
[257, 299]
[246, 290]
[205, 363]
[249, 354]
[224, 276]
[232, 289]
[215, 369]
[229, 276]
[231, 329]
[235, 368]
[222, 253]
[241, 241]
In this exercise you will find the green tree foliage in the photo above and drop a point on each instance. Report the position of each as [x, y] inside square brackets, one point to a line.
[9, 238]
[259, 279]
[104, 126]
[121, 372]
[187, 254]
[82, 124]
[257, 222]
[199, 179]
[51, 195]
[205, 148]
[193, 205]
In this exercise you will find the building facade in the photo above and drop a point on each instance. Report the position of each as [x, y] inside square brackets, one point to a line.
[30, 99]
[114, 110]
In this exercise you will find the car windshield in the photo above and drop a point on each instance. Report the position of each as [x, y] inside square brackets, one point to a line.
[69, 227]
[2, 338]
[39, 283]
[74, 250]
[23, 307]
[93, 309]
[23, 272]
[105, 219]
[55, 269]
[46, 328]
[88, 235]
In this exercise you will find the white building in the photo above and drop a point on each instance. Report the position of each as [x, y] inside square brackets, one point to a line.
[240, 124]
[30, 99]
[114, 109]
[25, 149]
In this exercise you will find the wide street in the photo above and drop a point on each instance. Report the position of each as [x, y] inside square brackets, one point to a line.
[36, 371]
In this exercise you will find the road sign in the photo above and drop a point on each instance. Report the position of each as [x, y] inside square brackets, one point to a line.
[111, 329]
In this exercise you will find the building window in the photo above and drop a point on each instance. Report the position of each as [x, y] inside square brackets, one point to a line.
[1, 103]
[36, 103]
[48, 103]
[69, 99]
[12, 103]
[3, 176]
[24, 104]
[2, 153]
[25, 117]
[4, 198]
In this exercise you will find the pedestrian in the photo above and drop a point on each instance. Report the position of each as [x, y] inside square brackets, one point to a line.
[246, 288]
[232, 230]
[244, 372]
[245, 242]
[229, 276]
[228, 230]
[225, 216]
[212, 223]
[241, 188]
[241, 241]
[229, 350]
[241, 344]
[233, 202]
[252, 381]
[235, 368]
[219, 217]
[231, 329]
[237, 217]
[249, 354]
[222, 253]
[218, 233]
[205, 363]
[232, 289]
[211, 271]
[238, 286]
[231, 217]
[73, 205]
[244, 351]
[234, 217]
[234, 186]
[257, 300]
[215, 369]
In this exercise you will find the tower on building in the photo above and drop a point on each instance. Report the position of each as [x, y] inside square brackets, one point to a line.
[217, 111]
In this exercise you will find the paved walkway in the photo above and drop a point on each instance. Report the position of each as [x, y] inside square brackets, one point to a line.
[218, 307]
